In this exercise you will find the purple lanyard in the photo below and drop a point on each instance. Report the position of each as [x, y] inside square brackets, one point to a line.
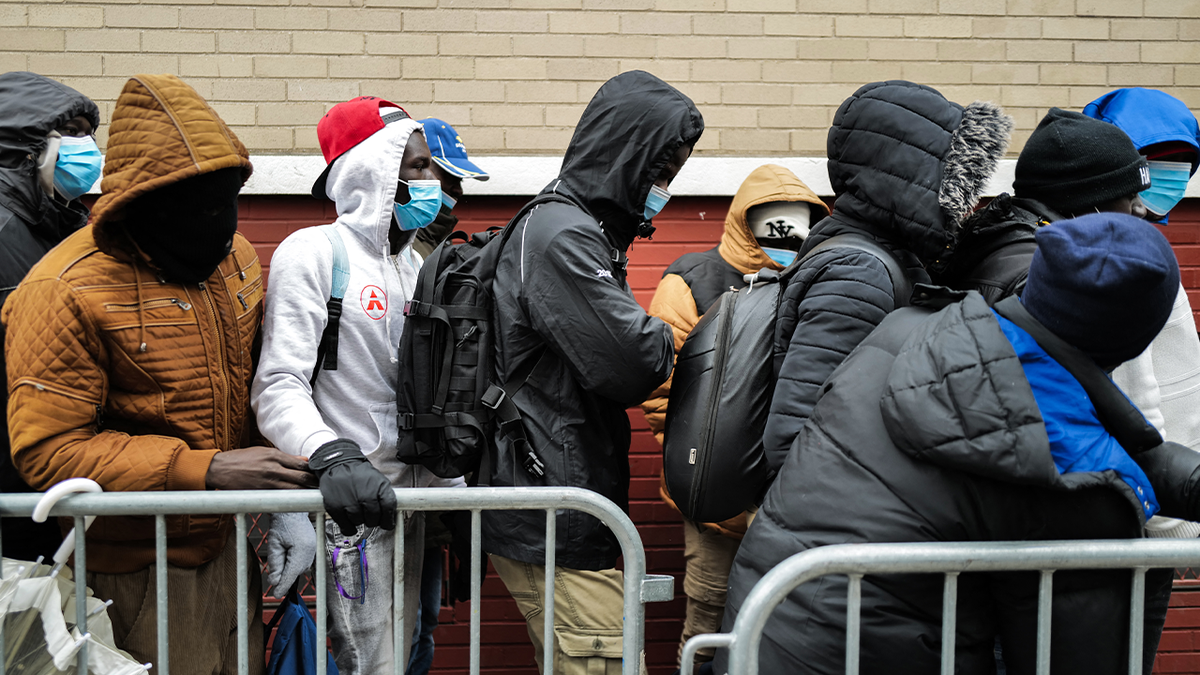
[362, 572]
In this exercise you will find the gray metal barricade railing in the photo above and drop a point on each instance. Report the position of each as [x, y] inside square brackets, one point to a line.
[640, 587]
[950, 559]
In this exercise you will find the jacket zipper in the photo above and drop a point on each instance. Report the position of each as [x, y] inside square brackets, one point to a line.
[212, 312]
[699, 477]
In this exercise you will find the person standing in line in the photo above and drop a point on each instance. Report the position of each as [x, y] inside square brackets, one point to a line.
[1164, 381]
[766, 224]
[450, 165]
[591, 351]
[130, 352]
[908, 190]
[48, 160]
[332, 397]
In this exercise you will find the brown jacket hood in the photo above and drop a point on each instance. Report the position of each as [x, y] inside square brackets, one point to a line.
[162, 132]
[768, 183]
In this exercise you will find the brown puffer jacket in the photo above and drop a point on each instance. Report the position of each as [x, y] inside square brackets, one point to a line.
[117, 376]
[691, 284]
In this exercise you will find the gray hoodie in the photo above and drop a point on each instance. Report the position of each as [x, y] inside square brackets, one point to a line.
[358, 400]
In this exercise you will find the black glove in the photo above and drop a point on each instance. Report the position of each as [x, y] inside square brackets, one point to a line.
[354, 491]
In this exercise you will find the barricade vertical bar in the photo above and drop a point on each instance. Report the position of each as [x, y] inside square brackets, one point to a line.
[1137, 620]
[322, 574]
[1, 622]
[949, 622]
[548, 612]
[243, 591]
[1045, 595]
[853, 622]
[81, 588]
[398, 633]
[160, 581]
[476, 567]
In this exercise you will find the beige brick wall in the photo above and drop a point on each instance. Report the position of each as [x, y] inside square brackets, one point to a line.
[513, 75]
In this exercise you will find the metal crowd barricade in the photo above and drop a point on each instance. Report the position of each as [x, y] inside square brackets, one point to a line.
[640, 587]
[950, 559]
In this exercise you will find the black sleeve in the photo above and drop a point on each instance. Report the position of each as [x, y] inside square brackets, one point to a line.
[823, 321]
[1174, 473]
[590, 319]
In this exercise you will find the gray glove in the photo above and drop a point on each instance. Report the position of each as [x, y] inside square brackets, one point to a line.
[291, 549]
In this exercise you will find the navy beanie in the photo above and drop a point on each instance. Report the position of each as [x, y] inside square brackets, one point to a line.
[1104, 282]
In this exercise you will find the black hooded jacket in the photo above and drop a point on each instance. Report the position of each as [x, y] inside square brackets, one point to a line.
[930, 432]
[995, 246]
[561, 296]
[906, 165]
[31, 223]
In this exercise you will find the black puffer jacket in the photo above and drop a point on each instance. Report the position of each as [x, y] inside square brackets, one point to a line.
[31, 223]
[930, 432]
[560, 291]
[995, 246]
[906, 165]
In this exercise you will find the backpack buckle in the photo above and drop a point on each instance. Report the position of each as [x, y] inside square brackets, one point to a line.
[533, 466]
[412, 307]
[406, 421]
[493, 397]
[619, 259]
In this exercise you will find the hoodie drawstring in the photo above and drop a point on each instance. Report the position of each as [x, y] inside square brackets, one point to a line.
[137, 281]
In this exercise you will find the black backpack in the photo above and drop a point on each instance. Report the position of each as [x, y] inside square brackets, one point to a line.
[724, 378]
[446, 402]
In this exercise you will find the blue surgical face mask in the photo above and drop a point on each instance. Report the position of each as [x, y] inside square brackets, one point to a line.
[655, 201]
[780, 255]
[424, 201]
[1168, 182]
[78, 166]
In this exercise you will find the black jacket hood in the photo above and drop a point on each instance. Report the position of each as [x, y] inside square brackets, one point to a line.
[904, 157]
[628, 132]
[31, 106]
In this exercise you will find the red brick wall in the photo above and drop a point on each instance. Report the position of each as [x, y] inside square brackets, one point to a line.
[687, 224]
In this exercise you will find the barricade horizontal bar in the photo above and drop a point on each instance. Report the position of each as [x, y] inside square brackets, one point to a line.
[408, 499]
[291, 501]
[939, 557]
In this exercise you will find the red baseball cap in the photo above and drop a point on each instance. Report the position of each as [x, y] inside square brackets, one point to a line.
[348, 124]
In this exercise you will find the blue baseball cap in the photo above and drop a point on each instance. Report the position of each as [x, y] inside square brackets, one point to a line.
[448, 150]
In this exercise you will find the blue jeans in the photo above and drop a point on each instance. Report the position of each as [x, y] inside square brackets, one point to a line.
[427, 616]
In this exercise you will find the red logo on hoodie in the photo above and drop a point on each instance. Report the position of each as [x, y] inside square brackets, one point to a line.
[374, 302]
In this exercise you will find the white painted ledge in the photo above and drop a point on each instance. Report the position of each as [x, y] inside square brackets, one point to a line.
[527, 175]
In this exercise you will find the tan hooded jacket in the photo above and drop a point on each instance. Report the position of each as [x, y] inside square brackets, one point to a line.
[120, 377]
[694, 281]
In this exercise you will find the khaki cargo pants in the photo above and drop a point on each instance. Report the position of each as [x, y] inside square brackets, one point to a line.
[589, 609]
[708, 556]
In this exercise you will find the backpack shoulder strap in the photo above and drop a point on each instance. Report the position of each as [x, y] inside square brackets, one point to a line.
[328, 347]
[902, 285]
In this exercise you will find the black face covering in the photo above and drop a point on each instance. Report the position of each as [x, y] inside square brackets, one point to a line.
[187, 228]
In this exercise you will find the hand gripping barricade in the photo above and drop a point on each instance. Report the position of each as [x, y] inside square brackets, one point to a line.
[447, 403]
[639, 587]
[950, 559]
[713, 458]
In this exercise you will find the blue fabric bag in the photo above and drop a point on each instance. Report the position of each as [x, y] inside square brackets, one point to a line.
[294, 650]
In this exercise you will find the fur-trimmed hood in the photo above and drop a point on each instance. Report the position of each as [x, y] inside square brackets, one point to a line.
[903, 157]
